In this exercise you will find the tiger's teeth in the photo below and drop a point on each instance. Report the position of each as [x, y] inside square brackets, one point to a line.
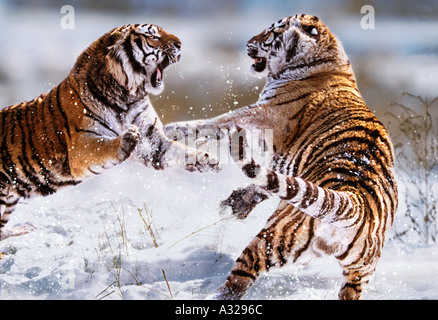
[158, 74]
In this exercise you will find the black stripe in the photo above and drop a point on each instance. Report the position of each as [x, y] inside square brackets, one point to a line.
[294, 99]
[248, 254]
[4, 178]
[292, 50]
[291, 189]
[355, 286]
[87, 131]
[90, 114]
[329, 200]
[136, 66]
[353, 244]
[26, 147]
[313, 64]
[27, 168]
[48, 143]
[98, 95]
[309, 230]
[8, 166]
[273, 183]
[150, 130]
[3, 121]
[280, 251]
[115, 107]
[15, 118]
[23, 188]
[370, 136]
[93, 172]
[242, 273]
[310, 195]
[251, 169]
[157, 156]
[368, 141]
[291, 228]
[139, 44]
[63, 115]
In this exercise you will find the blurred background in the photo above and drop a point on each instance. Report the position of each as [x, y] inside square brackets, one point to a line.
[399, 55]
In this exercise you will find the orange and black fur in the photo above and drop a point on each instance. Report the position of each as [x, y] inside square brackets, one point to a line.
[332, 165]
[92, 120]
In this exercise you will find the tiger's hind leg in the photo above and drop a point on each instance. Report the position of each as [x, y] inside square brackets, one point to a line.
[356, 276]
[245, 271]
[286, 237]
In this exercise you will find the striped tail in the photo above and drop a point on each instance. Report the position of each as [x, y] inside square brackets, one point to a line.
[324, 204]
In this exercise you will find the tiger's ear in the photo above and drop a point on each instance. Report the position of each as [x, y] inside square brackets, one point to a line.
[114, 36]
[111, 40]
[114, 61]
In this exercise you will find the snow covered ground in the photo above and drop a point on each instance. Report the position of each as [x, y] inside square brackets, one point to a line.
[92, 242]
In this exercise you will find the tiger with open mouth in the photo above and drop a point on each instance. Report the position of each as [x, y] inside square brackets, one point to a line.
[332, 162]
[96, 118]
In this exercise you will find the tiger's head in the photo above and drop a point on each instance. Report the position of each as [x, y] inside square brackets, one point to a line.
[139, 53]
[293, 47]
[133, 56]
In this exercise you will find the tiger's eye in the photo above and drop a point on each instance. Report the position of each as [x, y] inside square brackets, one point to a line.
[311, 30]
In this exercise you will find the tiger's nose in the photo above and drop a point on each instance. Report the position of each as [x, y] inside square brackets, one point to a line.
[178, 45]
[251, 49]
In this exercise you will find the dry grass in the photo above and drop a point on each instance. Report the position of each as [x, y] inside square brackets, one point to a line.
[416, 149]
[116, 244]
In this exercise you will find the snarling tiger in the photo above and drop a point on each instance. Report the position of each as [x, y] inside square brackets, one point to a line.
[93, 120]
[332, 162]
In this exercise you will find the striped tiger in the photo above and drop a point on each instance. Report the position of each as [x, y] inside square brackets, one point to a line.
[332, 162]
[93, 120]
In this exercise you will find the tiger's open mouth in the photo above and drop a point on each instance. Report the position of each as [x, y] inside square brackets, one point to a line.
[259, 64]
[157, 76]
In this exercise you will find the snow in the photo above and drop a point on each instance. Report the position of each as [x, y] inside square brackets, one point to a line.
[90, 242]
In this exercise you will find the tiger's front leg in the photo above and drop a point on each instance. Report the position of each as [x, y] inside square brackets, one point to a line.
[158, 151]
[194, 132]
[92, 154]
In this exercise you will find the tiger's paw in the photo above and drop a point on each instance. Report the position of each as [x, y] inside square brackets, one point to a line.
[205, 162]
[129, 140]
[241, 202]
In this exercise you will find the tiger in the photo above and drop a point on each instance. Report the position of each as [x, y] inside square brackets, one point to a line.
[96, 118]
[331, 166]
